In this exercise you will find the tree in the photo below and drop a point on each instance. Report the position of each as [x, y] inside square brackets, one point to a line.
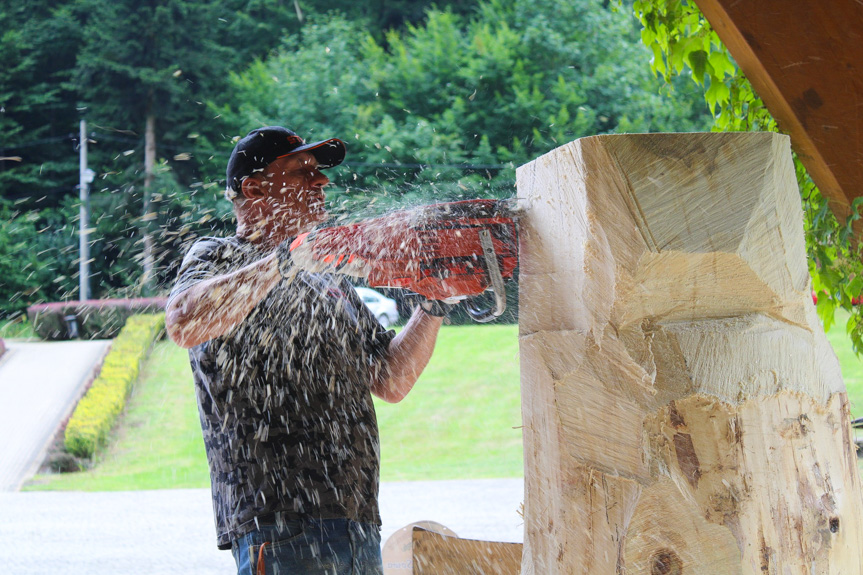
[146, 75]
[447, 109]
[37, 256]
[38, 42]
[120, 64]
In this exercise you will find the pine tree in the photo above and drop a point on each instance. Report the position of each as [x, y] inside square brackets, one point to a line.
[38, 43]
[146, 68]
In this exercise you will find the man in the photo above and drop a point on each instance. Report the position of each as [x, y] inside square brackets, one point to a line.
[284, 362]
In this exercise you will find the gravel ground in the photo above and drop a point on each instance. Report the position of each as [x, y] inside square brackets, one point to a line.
[171, 531]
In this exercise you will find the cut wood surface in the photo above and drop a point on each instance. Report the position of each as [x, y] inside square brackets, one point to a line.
[437, 554]
[683, 411]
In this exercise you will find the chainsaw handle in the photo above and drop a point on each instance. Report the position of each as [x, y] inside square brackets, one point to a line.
[488, 314]
[497, 287]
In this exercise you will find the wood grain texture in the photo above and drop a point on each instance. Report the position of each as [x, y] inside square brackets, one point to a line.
[683, 411]
[436, 554]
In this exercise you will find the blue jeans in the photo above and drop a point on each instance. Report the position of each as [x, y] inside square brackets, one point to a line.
[310, 547]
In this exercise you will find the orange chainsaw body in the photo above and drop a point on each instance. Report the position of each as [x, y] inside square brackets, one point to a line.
[436, 251]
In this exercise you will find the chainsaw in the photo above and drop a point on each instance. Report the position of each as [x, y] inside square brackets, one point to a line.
[453, 252]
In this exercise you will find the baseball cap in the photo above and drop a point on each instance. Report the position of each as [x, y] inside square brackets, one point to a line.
[262, 146]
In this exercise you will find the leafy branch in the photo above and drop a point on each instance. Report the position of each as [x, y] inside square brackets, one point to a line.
[684, 44]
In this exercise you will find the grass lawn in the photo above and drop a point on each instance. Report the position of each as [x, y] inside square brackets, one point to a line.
[18, 328]
[158, 443]
[852, 366]
[461, 421]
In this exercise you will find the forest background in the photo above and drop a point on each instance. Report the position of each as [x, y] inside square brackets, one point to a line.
[436, 102]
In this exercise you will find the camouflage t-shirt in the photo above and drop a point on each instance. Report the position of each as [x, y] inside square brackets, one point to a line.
[284, 398]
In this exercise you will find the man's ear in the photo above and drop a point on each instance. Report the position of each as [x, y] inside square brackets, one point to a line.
[251, 188]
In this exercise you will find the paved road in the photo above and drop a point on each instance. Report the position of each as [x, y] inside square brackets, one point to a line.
[168, 532]
[38, 386]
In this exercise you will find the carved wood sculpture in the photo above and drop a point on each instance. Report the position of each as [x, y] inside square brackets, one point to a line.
[683, 411]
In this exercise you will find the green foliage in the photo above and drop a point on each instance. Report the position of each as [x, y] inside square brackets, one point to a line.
[178, 214]
[684, 44]
[96, 413]
[126, 75]
[381, 16]
[36, 258]
[435, 105]
[170, 56]
[446, 110]
[37, 47]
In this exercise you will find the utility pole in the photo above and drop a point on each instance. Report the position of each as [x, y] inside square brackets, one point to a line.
[85, 176]
[149, 176]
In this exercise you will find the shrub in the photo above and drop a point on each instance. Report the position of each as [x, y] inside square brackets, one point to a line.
[98, 410]
[96, 319]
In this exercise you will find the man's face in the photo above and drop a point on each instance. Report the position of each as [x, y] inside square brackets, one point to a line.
[293, 191]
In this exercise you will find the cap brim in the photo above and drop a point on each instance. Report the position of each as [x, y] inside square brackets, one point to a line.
[328, 153]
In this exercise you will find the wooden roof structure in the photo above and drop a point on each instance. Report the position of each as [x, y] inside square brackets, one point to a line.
[805, 60]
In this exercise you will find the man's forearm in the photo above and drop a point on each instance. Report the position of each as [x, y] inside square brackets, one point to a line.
[408, 354]
[215, 306]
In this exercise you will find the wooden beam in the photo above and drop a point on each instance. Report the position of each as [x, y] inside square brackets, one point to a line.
[805, 60]
[683, 411]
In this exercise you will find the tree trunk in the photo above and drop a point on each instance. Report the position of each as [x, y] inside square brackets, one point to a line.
[149, 167]
[683, 411]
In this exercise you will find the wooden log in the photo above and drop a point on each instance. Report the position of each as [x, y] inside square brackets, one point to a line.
[438, 554]
[683, 411]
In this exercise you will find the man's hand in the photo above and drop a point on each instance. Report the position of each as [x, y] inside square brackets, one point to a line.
[438, 308]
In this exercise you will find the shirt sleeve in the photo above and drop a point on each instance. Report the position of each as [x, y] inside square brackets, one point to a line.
[201, 263]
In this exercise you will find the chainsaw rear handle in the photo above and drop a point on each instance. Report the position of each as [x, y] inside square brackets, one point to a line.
[497, 286]
[488, 314]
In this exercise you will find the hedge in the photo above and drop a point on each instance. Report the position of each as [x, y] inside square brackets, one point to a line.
[96, 319]
[98, 410]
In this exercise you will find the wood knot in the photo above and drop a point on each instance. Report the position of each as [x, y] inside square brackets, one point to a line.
[665, 562]
[834, 524]
[677, 421]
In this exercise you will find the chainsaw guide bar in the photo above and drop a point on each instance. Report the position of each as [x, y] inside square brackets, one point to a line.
[448, 251]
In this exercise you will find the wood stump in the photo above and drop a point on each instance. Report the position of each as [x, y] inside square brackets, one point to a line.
[683, 411]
